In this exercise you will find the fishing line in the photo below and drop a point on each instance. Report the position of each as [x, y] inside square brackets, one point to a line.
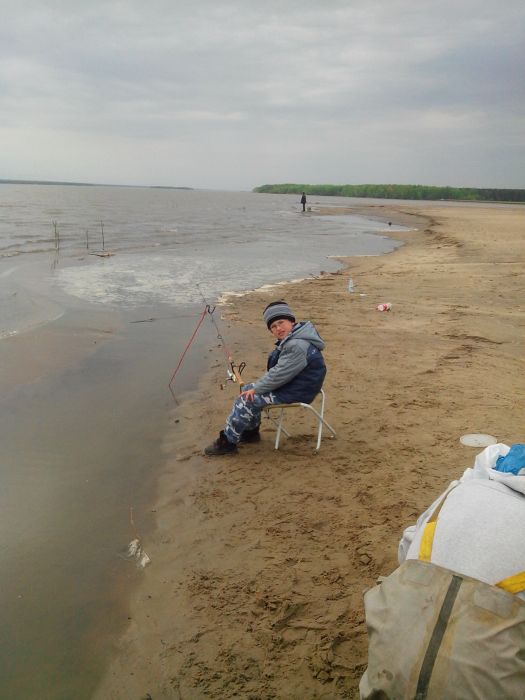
[234, 371]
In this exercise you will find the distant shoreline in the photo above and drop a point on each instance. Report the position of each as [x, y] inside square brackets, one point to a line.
[87, 184]
[402, 192]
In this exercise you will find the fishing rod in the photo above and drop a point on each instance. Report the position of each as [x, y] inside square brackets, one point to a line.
[179, 364]
[234, 370]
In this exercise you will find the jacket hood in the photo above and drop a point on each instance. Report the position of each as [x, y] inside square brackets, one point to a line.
[305, 330]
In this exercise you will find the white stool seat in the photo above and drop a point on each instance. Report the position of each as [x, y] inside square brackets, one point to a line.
[282, 407]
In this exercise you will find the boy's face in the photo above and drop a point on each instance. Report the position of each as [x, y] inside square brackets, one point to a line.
[281, 328]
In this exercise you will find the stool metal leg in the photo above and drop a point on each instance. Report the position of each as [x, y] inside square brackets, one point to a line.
[320, 431]
[279, 428]
[319, 415]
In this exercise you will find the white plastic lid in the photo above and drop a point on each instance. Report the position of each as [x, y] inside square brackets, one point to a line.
[477, 440]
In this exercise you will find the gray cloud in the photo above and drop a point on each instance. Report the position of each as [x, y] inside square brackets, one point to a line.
[234, 94]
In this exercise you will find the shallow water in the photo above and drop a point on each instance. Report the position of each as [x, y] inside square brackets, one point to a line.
[80, 447]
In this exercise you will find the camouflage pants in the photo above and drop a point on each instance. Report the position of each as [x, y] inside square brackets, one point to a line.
[246, 415]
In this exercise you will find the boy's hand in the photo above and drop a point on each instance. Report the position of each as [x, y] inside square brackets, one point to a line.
[248, 394]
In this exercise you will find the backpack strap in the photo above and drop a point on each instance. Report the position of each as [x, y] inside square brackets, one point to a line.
[427, 539]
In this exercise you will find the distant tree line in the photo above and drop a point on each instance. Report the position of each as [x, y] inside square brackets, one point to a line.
[470, 194]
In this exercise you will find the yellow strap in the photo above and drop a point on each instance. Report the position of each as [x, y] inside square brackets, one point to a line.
[427, 539]
[513, 584]
[425, 548]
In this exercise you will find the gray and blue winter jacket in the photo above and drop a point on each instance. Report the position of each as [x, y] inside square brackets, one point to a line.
[296, 368]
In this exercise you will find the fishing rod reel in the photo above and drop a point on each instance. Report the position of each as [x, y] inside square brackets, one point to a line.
[234, 372]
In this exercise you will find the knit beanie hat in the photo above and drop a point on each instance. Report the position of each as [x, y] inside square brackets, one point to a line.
[277, 310]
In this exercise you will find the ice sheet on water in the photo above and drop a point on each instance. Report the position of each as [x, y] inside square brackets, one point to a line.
[131, 281]
[134, 280]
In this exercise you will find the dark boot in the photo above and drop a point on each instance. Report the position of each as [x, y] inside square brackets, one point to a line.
[251, 435]
[221, 446]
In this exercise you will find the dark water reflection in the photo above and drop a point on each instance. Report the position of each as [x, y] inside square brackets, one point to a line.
[77, 451]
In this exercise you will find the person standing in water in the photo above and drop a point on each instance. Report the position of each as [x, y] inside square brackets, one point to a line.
[303, 201]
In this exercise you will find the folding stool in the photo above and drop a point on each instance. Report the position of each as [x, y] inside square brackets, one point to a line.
[282, 407]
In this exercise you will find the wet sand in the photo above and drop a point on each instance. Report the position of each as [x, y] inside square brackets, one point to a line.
[260, 560]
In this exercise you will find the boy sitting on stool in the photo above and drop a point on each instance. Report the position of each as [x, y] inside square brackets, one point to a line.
[295, 373]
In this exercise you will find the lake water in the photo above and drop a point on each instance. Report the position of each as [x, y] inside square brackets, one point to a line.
[166, 244]
[80, 446]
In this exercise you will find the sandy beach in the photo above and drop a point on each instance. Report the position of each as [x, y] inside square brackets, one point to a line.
[259, 561]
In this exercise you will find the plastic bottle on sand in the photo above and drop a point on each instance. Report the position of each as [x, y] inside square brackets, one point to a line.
[384, 307]
[350, 285]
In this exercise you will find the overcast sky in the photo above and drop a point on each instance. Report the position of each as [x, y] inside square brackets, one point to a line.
[233, 94]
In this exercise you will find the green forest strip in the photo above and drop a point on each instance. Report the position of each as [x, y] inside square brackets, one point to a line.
[469, 194]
